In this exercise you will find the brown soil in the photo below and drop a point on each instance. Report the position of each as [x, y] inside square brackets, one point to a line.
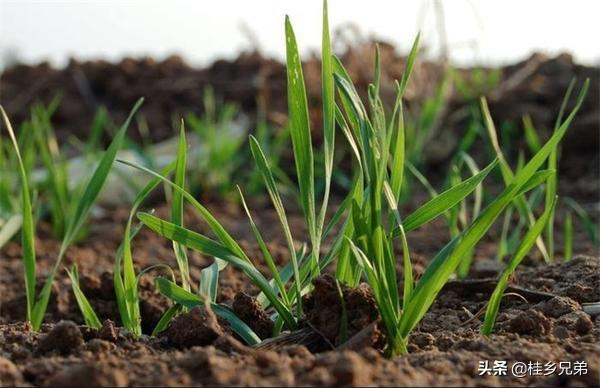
[197, 349]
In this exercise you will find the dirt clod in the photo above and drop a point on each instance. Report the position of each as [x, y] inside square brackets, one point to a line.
[324, 308]
[64, 338]
[530, 322]
[249, 311]
[424, 341]
[199, 327]
[558, 306]
[108, 331]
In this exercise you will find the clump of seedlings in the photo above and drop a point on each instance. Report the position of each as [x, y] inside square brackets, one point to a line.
[81, 205]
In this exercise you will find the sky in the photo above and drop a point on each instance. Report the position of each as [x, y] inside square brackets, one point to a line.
[476, 31]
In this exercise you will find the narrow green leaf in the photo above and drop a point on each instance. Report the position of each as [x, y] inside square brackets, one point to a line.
[209, 281]
[328, 94]
[300, 128]
[568, 237]
[263, 166]
[398, 156]
[89, 315]
[177, 208]
[408, 271]
[97, 180]
[552, 183]
[531, 136]
[27, 228]
[265, 251]
[537, 179]
[410, 61]
[523, 249]
[166, 318]
[444, 201]
[508, 175]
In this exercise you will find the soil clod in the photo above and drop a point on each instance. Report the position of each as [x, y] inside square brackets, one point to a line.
[198, 327]
[558, 306]
[249, 311]
[108, 331]
[64, 338]
[530, 322]
[325, 306]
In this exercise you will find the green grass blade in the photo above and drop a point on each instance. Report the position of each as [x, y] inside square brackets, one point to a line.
[524, 248]
[166, 318]
[421, 178]
[177, 208]
[408, 271]
[398, 156]
[551, 185]
[388, 312]
[189, 300]
[49, 152]
[265, 251]
[89, 315]
[357, 115]
[263, 166]
[210, 247]
[27, 228]
[531, 136]
[568, 237]
[328, 94]
[445, 201]
[84, 204]
[300, 129]
[96, 182]
[537, 179]
[410, 61]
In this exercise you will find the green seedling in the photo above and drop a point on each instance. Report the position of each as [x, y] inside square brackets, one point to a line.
[524, 248]
[220, 141]
[57, 184]
[11, 217]
[551, 185]
[36, 308]
[374, 253]
[442, 266]
[507, 176]
[303, 268]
